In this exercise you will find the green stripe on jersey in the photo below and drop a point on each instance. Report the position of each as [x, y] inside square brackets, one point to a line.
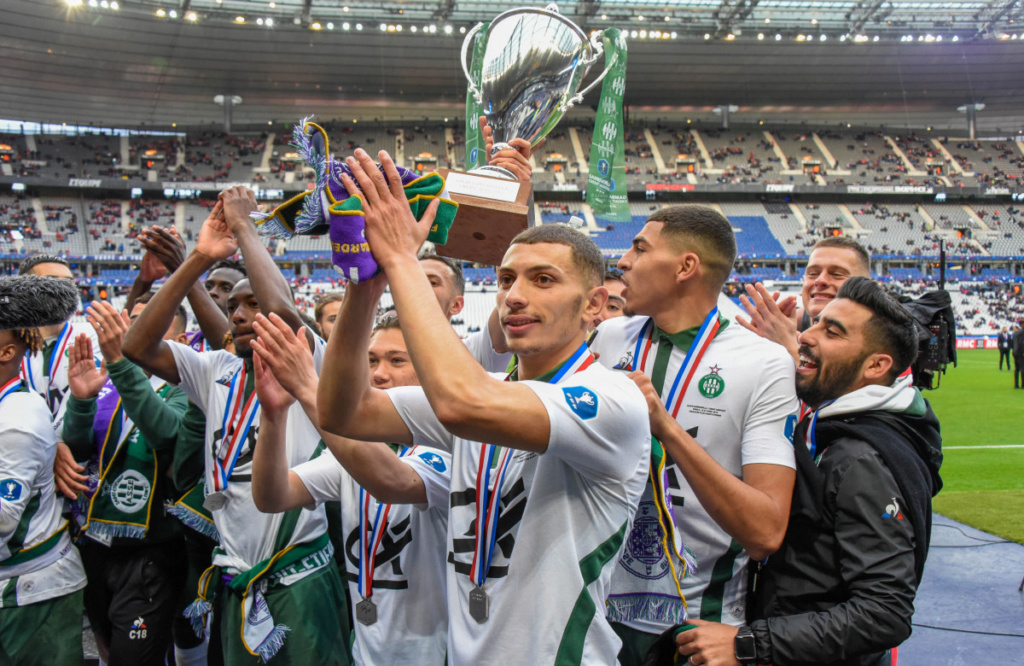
[570, 649]
[9, 596]
[17, 540]
[712, 600]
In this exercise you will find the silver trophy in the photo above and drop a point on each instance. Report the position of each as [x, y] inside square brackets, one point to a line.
[534, 62]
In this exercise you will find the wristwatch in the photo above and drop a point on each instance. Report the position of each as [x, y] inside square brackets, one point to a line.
[746, 651]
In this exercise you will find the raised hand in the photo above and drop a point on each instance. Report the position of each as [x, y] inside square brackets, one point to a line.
[216, 240]
[151, 269]
[84, 379]
[110, 327]
[238, 202]
[516, 160]
[770, 317]
[163, 246]
[288, 357]
[391, 229]
[274, 400]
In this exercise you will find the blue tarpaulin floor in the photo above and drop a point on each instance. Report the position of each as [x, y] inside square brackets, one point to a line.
[970, 584]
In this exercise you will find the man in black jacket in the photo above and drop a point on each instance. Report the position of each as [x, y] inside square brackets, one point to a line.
[840, 591]
[1003, 342]
[1017, 347]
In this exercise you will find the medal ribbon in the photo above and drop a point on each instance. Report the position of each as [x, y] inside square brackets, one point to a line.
[368, 546]
[235, 430]
[58, 353]
[708, 330]
[488, 496]
[811, 438]
[9, 388]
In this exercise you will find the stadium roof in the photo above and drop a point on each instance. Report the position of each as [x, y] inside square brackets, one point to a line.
[132, 63]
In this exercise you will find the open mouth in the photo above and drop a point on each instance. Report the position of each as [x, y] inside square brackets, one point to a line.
[807, 363]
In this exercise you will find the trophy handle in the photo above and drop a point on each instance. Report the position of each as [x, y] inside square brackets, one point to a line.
[465, 64]
[598, 47]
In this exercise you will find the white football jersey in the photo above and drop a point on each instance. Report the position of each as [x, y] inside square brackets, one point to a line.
[30, 509]
[741, 407]
[409, 567]
[247, 535]
[564, 516]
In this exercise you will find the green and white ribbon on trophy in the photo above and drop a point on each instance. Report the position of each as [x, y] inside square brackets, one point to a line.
[475, 154]
[606, 185]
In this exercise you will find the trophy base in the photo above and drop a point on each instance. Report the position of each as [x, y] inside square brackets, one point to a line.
[492, 211]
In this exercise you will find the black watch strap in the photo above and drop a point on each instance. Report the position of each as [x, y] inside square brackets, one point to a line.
[746, 651]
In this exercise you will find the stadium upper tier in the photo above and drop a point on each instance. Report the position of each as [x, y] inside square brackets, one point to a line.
[773, 233]
[655, 154]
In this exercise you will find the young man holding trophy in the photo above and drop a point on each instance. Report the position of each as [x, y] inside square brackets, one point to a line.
[547, 465]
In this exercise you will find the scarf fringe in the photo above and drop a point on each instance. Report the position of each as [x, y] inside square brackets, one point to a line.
[192, 520]
[658, 608]
[117, 530]
[196, 612]
[268, 648]
[312, 213]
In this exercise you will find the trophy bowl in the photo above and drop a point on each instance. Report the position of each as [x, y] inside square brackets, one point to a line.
[533, 64]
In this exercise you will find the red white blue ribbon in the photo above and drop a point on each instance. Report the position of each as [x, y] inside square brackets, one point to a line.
[811, 438]
[488, 495]
[235, 428]
[368, 544]
[55, 356]
[9, 388]
[708, 330]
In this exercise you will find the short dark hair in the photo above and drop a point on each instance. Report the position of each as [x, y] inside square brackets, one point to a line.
[458, 279]
[35, 260]
[387, 322]
[847, 243]
[702, 230]
[613, 274]
[891, 328]
[230, 264]
[321, 303]
[586, 256]
[181, 315]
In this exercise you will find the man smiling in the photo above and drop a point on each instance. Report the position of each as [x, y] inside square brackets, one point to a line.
[547, 467]
[840, 591]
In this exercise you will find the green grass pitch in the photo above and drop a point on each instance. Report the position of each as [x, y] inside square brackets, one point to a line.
[977, 407]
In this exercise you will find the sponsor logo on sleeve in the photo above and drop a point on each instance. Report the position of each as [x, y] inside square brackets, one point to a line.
[434, 460]
[10, 490]
[582, 401]
[892, 510]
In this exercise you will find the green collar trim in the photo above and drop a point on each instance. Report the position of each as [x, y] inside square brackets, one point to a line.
[683, 339]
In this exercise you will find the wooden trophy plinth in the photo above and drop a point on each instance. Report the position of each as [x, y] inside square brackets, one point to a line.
[491, 212]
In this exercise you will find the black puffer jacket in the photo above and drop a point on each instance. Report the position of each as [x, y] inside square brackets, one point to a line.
[840, 591]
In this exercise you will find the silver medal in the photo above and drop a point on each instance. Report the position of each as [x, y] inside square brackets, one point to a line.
[366, 612]
[479, 605]
[214, 501]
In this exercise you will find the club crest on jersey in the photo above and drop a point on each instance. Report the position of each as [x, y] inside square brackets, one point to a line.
[434, 460]
[10, 490]
[582, 401]
[711, 385]
[892, 510]
[130, 491]
[625, 363]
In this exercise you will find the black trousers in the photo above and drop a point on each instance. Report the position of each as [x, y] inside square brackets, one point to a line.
[132, 598]
[1004, 353]
[1018, 371]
